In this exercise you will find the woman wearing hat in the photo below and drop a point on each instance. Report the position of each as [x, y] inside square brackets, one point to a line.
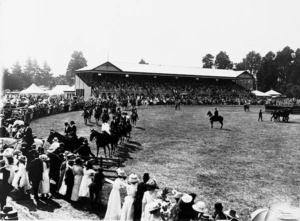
[87, 179]
[186, 211]
[44, 187]
[149, 196]
[78, 174]
[21, 179]
[113, 211]
[128, 207]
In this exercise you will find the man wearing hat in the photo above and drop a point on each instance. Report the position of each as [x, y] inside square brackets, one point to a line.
[219, 214]
[35, 173]
[67, 129]
[232, 215]
[27, 135]
[73, 130]
[141, 189]
[84, 149]
[4, 185]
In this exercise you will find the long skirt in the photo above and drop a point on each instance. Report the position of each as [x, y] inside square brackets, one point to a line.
[75, 191]
[113, 211]
[127, 209]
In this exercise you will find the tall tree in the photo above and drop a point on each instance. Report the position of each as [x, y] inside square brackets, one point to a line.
[77, 61]
[44, 75]
[222, 61]
[208, 61]
[23, 80]
[142, 61]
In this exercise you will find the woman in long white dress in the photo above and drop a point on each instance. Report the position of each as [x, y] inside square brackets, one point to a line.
[149, 196]
[127, 212]
[78, 174]
[21, 179]
[87, 179]
[44, 187]
[113, 211]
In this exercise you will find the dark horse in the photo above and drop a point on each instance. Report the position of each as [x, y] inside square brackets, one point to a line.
[70, 143]
[215, 118]
[281, 113]
[246, 107]
[105, 140]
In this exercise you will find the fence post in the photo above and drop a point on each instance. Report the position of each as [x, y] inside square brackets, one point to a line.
[101, 162]
[119, 162]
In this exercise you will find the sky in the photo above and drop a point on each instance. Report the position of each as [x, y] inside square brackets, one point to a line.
[165, 32]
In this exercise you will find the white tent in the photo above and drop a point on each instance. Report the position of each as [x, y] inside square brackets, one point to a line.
[32, 89]
[273, 93]
[259, 93]
[60, 89]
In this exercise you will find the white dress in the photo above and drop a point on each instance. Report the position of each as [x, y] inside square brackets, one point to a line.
[128, 208]
[149, 197]
[78, 172]
[21, 179]
[44, 187]
[87, 179]
[113, 211]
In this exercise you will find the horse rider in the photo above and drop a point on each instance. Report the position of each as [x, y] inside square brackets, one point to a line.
[27, 135]
[216, 112]
[105, 128]
[73, 130]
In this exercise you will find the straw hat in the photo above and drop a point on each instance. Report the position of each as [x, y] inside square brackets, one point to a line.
[231, 213]
[22, 159]
[133, 178]
[200, 207]
[55, 139]
[120, 172]
[8, 152]
[151, 183]
[186, 198]
[44, 157]
[154, 206]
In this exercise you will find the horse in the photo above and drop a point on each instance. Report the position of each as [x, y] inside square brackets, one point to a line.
[284, 114]
[215, 118]
[70, 143]
[246, 107]
[102, 140]
[134, 117]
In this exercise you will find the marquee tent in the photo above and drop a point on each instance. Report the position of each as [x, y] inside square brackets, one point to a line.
[273, 93]
[60, 89]
[32, 89]
[259, 93]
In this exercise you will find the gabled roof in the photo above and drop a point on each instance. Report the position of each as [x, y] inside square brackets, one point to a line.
[32, 89]
[163, 70]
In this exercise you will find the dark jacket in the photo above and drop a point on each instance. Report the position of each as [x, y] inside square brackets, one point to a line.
[36, 170]
[69, 177]
[27, 136]
[84, 150]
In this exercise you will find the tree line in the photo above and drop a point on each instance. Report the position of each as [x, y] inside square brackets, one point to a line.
[279, 71]
[19, 78]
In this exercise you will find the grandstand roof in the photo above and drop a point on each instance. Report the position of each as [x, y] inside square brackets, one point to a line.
[148, 69]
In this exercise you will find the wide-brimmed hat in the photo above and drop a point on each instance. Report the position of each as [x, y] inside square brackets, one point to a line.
[71, 156]
[133, 178]
[154, 206]
[121, 172]
[51, 149]
[22, 159]
[8, 152]
[151, 183]
[44, 157]
[7, 209]
[200, 207]
[72, 122]
[231, 213]
[186, 198]
[17, 152]
[55, 139]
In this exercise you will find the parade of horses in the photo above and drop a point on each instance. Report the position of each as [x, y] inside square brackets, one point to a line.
[150, 110]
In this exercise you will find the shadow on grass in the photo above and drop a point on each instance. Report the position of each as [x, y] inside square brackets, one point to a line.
[293, 122]
[124, 150]
[48, 205]
[226, 129]
[140, 128]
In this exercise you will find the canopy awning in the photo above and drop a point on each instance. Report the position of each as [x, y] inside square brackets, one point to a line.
[32, 89]
[273, 93]
[259, 93]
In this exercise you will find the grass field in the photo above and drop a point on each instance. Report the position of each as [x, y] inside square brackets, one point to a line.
[247, 165]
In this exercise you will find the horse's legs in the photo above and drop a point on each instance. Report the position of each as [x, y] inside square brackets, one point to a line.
[104, 147]
[221, 122]
[97, 150]
[211, 124]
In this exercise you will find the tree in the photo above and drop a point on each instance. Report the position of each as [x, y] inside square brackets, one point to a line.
[43, 76]
[208, 61]
[77, 61]
[61, 79]
[223, 61]
[22, 80]
[143, 62]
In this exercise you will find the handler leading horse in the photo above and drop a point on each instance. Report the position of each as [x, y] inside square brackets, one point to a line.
[213, 118]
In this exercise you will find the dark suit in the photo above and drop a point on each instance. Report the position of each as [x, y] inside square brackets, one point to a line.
[67, 129]
[27, 136]
[73, 131]
[36, 174]
[141, 189]
[69, 181]
[216, 113]
[4, 186]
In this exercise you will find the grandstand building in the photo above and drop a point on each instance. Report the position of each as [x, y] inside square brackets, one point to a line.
[122, 79]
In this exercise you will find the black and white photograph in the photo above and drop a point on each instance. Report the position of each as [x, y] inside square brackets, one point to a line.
[150, 110]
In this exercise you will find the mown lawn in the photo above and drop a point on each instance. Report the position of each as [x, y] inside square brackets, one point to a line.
[247, 165]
